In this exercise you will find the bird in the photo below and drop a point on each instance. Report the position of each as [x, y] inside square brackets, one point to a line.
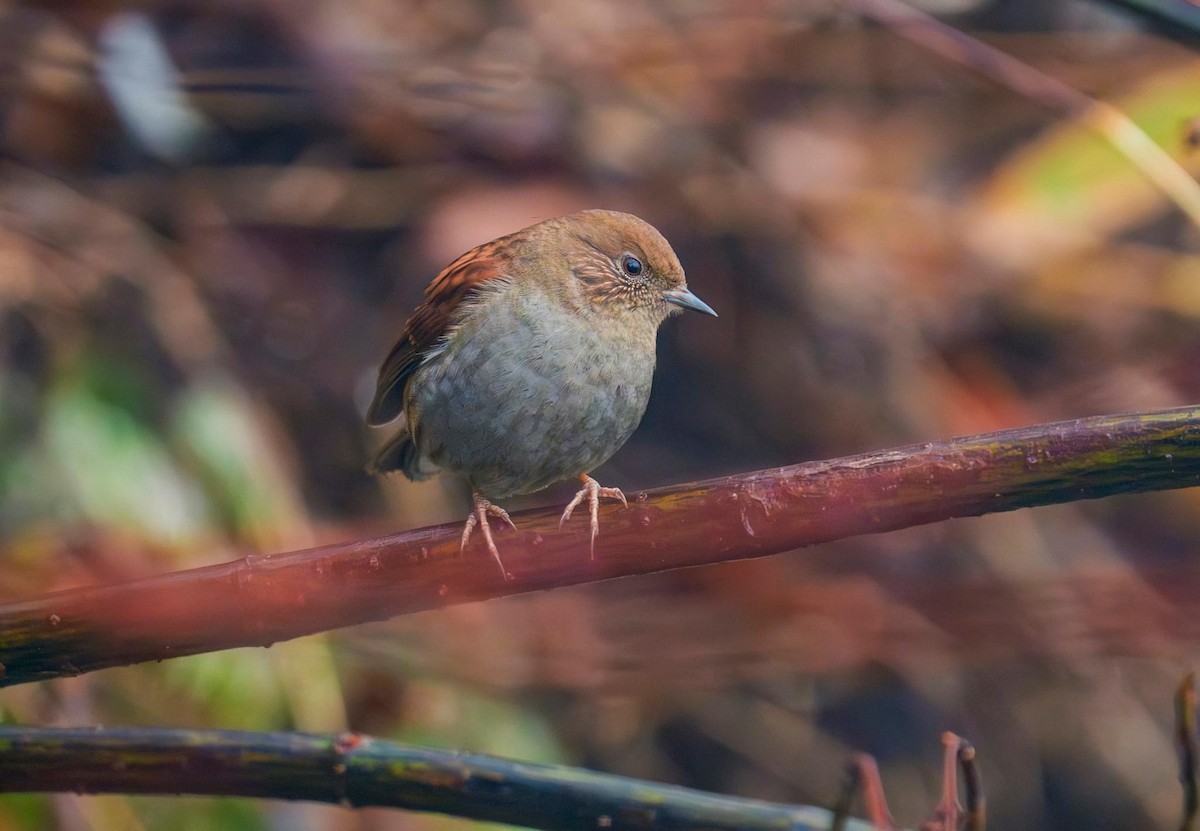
[529, 361]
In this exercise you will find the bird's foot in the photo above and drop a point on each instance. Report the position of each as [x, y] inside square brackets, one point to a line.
[591, 491]
[480, 517]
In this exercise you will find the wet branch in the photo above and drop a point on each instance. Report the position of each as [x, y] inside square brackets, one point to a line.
[262, 599]
[358, 771]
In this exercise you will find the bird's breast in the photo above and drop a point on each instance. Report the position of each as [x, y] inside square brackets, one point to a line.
[526, 392]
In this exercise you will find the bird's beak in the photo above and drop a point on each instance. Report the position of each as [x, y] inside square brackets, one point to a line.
[683, 297]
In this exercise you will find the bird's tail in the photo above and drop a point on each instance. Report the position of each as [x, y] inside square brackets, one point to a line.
[400, 453]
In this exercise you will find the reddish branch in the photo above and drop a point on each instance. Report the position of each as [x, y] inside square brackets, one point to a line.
[263, 599]
[958, 752]
[862, 775]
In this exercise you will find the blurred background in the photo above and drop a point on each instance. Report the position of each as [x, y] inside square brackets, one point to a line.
[216, 215]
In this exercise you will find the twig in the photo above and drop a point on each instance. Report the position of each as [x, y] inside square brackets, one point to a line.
[958, 752]
[1185, 737]
[874, 795]
[945, 815]
[845, 799]
[973, 784]
[1155, 163]
[863, 774]
[262, 599]
[359, 771]
[1179, 19]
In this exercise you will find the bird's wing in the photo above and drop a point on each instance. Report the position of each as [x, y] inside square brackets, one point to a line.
[437, 314]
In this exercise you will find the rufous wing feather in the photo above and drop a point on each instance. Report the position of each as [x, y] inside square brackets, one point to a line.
[437, 314]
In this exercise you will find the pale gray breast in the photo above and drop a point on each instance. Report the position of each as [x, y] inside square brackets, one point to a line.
[524, 396]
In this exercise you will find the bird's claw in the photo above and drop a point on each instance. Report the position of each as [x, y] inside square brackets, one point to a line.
[479, 517]
[592, 491]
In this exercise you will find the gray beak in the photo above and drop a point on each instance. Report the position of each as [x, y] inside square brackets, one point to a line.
[683, 297]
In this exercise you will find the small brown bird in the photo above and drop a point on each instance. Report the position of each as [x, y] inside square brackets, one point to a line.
[530, 360]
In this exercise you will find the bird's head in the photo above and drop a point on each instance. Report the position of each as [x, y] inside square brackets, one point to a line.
[625, 268]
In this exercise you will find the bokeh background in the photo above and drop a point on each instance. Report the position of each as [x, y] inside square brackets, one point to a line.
[215, 217]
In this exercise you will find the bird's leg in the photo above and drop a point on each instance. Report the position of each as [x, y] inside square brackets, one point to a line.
[479, 517]
[592, 491]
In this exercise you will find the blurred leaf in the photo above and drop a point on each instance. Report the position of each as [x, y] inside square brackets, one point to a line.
[451, 716]
[239, 689]
[200, 814]
[25, 811]
[1071, 186]
[144, 86]
[115, 469]
[243, 478]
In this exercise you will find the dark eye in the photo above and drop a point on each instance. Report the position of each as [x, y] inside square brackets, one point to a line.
[632, 265]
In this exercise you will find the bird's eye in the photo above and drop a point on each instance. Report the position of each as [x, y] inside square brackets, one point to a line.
[632, 265]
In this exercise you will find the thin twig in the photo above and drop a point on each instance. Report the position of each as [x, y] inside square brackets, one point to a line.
[945, 815]
[1155, 163]
[874, 795]
[1185, 737]
[973, 784]
[958, 752]
[862, 774]
[845, 800]
[1179, 19]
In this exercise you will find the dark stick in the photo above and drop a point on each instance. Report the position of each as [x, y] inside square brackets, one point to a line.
[1177, 19]
[358, 771]
[973, 784]
[1185, 736]
[845, 798]
[259, 600]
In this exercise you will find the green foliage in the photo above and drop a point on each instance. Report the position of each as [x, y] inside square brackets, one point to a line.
[222, 436]
[453, 717]
[201, 814]
[110, 461]
[26, 812]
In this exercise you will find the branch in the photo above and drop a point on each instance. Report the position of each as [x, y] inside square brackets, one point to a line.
[1185, 736]
[261, 599]
[1118, 129]
[358, 771]
[1179, 19]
